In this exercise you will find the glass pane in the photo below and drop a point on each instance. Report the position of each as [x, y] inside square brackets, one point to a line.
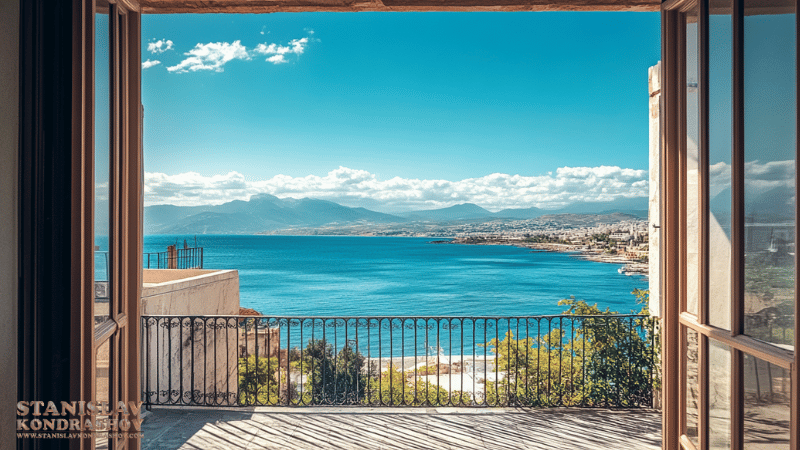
[692, 384]
[692, 177]
[719, 396]
[719, 171]
[102, 278]
[767, 404]
[102, 385]
[770, 113]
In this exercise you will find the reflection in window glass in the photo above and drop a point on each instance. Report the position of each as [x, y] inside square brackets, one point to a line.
[719, 158]
[719, 396]
[692, 385]
[770, 142]
[767, 403]
[102, 278]
[692, 177]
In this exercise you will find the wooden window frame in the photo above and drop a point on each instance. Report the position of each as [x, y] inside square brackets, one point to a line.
[674, 315]
[125, 198]
[128, 227]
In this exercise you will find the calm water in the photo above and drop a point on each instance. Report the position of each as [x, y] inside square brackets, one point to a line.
[348, 276]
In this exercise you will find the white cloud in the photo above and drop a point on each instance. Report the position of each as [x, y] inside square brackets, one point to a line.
[211, 56]
[159, 46]
[148, 64]
[759, 177]
[296, 46]
[277, 59]
[214, 55]
[354, 187]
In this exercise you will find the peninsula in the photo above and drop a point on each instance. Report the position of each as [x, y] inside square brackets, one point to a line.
[624, 242]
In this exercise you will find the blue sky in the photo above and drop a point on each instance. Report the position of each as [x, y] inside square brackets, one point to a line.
[398, 111]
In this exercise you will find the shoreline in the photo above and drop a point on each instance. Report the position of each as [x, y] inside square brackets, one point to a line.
[630, 266]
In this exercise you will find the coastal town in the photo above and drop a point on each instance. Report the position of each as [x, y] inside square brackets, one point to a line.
[624, 242]
[615, 238]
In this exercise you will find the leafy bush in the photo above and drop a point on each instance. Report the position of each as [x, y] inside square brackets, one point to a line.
[609, 362]
[332, 380]
[594, 359]
[394, 387]
[257, 382]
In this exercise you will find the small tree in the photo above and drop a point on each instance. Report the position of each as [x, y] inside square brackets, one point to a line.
[333, 380]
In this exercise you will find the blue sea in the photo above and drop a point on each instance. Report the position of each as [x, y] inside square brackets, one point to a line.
[399, 276]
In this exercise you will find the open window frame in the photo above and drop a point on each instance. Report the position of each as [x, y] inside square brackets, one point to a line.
[57, 206]
[691, 344]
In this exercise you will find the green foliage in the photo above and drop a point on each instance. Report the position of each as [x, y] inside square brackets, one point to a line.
[608, 361]
[590, 357]
[294, 354]
[394, 387]
[642, 298]
[543, 239]
[537, 371]
[257, 381]
[332, 380]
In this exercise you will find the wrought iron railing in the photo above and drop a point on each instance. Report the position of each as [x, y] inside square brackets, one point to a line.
[540, 361]
[183, 258]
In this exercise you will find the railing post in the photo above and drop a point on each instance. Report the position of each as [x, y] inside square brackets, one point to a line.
[172, 257]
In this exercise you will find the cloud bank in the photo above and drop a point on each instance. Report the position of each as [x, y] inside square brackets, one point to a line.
[759, 177]
[214, 55]
[353, 187]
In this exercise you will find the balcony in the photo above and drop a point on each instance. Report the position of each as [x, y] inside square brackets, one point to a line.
[401, 428]
[565, 381]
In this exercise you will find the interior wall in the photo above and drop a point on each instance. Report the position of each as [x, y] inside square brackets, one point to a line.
[9, 163]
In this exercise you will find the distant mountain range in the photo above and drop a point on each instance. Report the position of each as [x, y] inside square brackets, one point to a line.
[468, 211]
[775, 205]
[263, 213]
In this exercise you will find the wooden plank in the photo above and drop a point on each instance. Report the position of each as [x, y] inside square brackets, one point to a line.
[132, 233]
[670, 244]
[703, 227]
[82, 368]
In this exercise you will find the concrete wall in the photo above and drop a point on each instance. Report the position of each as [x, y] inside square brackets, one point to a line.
[190, 292]
[654, 83]
[9, 215]
[191, 359]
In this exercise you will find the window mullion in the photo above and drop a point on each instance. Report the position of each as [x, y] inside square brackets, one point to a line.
[737, 224]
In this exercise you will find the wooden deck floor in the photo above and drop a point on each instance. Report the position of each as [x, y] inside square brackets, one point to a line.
[406, 428]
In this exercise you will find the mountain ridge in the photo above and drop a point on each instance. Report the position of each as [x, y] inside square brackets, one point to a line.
[265, 213]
